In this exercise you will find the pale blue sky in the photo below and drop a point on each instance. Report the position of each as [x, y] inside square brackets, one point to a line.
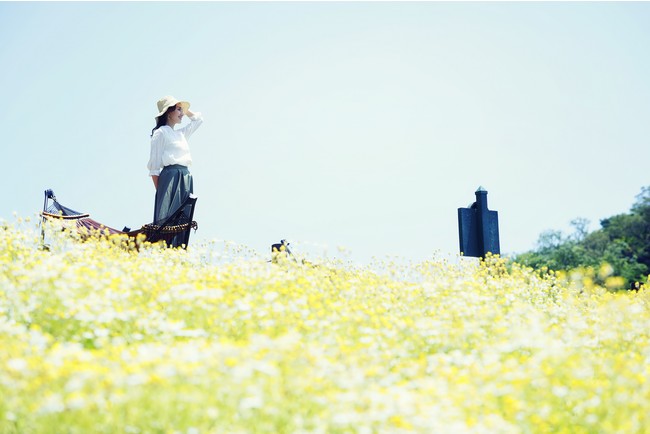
[364, 125]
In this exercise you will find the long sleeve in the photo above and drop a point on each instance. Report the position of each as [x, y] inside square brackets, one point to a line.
[155, 164]
[189, 129]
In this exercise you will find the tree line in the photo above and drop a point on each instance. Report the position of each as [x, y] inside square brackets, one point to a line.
[622, 241]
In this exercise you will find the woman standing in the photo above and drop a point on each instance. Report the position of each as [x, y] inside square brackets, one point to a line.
[170, 156]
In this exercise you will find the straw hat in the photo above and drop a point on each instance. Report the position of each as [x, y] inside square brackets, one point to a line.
[167, 101]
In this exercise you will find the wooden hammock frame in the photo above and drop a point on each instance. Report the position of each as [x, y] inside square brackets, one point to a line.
[179, 224]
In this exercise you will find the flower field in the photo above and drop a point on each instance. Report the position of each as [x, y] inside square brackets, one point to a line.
[99, 338]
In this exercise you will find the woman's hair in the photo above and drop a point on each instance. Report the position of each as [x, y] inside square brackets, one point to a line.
[162, 119]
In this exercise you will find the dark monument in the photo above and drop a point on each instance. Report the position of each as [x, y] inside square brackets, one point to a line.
[478, 228]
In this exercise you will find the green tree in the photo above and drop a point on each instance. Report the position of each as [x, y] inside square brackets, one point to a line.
[623, 241]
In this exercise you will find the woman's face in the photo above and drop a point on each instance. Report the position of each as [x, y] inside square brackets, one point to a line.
[175, 116]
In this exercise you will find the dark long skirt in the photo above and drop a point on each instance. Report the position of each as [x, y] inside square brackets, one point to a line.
[175, 185]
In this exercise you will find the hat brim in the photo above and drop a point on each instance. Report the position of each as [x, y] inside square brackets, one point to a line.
[184, 105]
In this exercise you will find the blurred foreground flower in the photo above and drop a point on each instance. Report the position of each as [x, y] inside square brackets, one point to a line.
[97, 337]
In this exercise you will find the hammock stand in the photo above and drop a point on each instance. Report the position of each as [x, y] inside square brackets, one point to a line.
[178, 224]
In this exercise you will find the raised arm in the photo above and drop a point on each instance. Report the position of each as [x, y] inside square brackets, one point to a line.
[197, 120]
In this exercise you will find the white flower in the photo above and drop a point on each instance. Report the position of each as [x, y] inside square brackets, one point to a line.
[17, 364]
[250, 402]
[52, 404]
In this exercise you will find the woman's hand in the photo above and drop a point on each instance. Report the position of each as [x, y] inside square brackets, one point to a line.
[189, 113]
[155, 181]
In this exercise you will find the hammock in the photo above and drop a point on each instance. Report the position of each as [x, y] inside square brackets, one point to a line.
[174, 230]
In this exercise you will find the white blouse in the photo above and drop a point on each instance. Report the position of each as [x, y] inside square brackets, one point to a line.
[169, 146]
